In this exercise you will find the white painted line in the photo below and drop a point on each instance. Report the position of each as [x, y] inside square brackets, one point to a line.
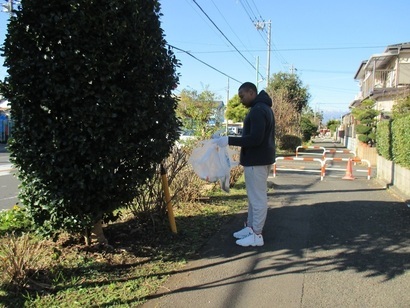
[6, 166]
[3, 173]
[8, 198]
[7, 169]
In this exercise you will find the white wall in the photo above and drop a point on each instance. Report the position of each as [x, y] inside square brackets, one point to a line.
[393, 174]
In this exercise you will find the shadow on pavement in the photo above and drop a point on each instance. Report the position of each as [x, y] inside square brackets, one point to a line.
[371, 238]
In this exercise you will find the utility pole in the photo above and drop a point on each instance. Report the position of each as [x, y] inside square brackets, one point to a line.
[260, 25]
[227, 93]
[226, 108]
[257, 72]
[268, 64]
[258, 81]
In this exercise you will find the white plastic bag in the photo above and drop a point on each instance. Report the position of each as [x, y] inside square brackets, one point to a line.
[213, 163]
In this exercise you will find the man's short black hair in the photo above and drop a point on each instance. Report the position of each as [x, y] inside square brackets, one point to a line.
[248, 86]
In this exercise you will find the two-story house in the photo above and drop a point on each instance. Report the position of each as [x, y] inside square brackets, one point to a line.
[384, 78]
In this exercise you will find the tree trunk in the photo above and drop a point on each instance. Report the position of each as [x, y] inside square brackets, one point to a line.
[96, 234]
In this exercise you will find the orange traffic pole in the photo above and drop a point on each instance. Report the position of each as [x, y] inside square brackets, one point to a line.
[165, 187]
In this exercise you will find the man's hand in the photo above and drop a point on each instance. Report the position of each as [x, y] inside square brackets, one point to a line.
[221, 141]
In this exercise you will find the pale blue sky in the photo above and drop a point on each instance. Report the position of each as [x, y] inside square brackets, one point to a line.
[325, 41]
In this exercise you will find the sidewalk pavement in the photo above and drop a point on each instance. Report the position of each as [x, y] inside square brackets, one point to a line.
[5, 166]
[3, 148]
[330, 243]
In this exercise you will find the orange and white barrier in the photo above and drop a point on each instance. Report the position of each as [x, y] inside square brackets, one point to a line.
[353, 160]
[324, 160]
[321, 162]
[315, 148]
[333, 151]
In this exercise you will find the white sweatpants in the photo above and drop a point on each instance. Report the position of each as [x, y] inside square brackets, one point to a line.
[256, 188]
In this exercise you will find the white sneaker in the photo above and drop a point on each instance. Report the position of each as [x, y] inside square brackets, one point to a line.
[243, 233]
[251, 240]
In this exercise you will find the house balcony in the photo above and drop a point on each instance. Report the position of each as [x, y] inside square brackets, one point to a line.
[378, 79]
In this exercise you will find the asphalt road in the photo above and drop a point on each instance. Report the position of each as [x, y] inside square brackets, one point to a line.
[8, 191]
[8, 182]
[330, 243]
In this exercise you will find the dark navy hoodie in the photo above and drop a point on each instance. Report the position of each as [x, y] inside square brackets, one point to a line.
[258, 136]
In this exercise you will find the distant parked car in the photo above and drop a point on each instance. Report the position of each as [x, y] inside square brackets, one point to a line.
[185, 136]
[234, 130]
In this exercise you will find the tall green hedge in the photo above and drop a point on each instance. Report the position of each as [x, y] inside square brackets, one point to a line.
[401, 141]
[393, 140]
[384, 139]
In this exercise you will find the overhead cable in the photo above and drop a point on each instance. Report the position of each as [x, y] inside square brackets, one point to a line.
[188, 53]
[297, 49]
[256, 8]
[247, 11]
[224, 35]
[239, 39]
[254, 19]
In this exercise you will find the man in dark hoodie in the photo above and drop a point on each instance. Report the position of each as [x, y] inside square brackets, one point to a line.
[257, 156]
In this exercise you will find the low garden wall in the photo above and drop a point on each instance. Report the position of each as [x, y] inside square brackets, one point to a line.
[387, 171]
[394, 174]
[366, 152]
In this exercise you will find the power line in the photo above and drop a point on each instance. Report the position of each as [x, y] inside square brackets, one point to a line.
[255, 21]
[256, 9]
[252, 18]
[258, 21]
[327, 48]
[246, 11]
[223, 34]
[297, 49]
[250, 9]
[201, 15]
[223, 16]
[323, 71]
[188, 53]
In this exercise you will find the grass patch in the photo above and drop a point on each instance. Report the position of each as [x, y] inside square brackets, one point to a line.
[137, 262]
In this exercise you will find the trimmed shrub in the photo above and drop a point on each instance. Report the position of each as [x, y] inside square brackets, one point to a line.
[90, 87]
[384, 139]
[401, 141]
[289, 142]
[15, 219]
